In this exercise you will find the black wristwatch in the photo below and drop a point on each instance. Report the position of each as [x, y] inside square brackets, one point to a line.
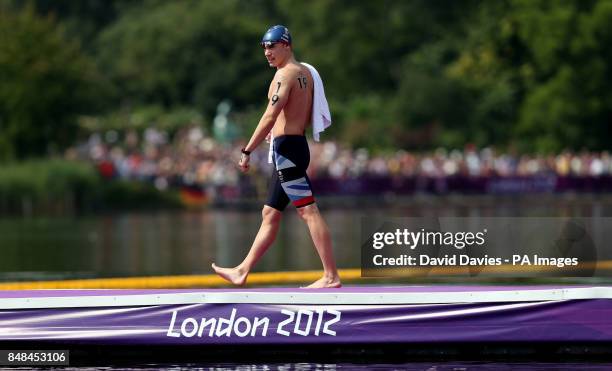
[245, 152]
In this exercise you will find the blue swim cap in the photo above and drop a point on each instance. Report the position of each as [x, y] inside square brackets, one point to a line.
[277, 34]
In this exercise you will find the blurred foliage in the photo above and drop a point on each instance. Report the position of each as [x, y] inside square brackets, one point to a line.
[143, 117]
[540, 71]
[47, 184]
[61, 186]
[414, 74]
[185, 52]
[131, 195]
[45, 81]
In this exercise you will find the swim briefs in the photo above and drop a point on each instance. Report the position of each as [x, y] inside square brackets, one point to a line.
[289, 180]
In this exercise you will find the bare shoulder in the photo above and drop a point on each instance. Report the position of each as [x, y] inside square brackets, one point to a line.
[305, 71]
[287, 73]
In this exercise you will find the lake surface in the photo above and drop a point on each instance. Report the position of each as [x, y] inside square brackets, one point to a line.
[186, 242]
[424, 366]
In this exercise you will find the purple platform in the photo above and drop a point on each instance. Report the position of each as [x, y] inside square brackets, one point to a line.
[368, 314]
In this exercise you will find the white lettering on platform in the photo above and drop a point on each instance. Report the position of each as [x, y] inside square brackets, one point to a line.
[302, 322]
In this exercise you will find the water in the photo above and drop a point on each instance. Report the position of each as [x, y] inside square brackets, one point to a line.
[412, 366]
[162, 243]
[186, 242]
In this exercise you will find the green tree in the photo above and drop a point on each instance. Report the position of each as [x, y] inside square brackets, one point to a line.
[81, 20]
[569, 103]
[413, 74]
[539, 72]
[187, 52]
[45, 82]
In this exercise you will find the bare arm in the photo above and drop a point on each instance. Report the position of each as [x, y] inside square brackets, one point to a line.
[278, 97]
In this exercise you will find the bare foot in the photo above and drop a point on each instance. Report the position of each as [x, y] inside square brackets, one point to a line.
[233, 275]
[325, 283]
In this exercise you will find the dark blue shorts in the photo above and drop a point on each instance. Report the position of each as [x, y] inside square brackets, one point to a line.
[290, 183]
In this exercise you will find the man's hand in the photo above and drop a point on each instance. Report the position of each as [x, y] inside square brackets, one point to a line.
[243, 164]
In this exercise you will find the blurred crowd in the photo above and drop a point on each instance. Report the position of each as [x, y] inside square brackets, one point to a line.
[193, 158]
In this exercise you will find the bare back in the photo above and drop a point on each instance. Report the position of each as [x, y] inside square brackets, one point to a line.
[296, 114]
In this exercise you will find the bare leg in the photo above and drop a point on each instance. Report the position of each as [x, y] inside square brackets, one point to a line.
[264, 239]
[322, 241]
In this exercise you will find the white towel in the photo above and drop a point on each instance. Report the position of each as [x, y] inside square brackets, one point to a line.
[321, 117]
[271, 150]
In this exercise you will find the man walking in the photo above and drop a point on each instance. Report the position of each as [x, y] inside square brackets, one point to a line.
[289, 112]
